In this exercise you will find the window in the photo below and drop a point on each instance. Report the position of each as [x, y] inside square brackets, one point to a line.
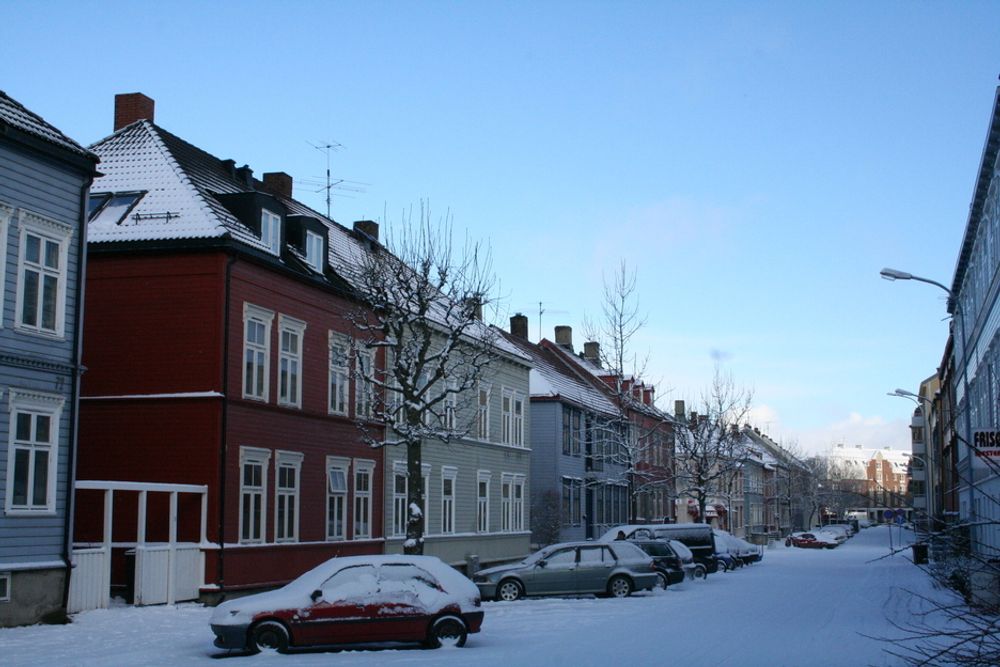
[451, 407]
[593, 555]
[577, 431]
[517, 509]
[42, 275]
[291, 332]
[571, 496]
[364, 386]
[253, 494]
[506, 416]
[400, 488]
[110, 209]
[506, 500]
[336, 497]
[4, 586]
[256, 351]
[483, 501]
[518, 427]
[33, 452]
[339, 373]
[567, 435]
[483, 413]
[6, 214]
[363, 471]
[448, 476]
[314, 250]
[288, 467]
[270, 231]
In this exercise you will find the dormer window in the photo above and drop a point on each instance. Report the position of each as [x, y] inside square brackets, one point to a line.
[314, 250]
[270, 230]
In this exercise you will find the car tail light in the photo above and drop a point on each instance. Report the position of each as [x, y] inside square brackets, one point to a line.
[477, 602]
[652, 565]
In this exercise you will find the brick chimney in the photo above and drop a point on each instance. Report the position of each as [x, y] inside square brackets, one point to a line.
[130, 107]
[277, 183]
[564, 337]
[367, 227]
[519, 326]
[679, 409]
[592, 352]
[647, 395]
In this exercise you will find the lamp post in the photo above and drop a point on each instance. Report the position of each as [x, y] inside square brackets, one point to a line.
[927, 459]
[953, 305]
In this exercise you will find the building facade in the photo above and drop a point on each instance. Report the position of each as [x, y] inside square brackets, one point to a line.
[44, 180]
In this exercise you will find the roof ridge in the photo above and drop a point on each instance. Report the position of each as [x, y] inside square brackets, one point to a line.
[206, 208]
[71, 144]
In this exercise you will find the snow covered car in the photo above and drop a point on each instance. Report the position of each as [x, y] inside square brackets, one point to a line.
[811, 541]
[697, 537]
[670, 564]
[355, 600]
[836, 532]
[572, 568]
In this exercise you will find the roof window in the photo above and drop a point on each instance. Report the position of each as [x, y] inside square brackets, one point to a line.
[110, 208]
[270, 230]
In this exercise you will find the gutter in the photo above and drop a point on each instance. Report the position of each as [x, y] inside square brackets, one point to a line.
[78, 370]
[220, 569]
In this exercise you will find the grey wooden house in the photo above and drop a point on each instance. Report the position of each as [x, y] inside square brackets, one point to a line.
[44, 182]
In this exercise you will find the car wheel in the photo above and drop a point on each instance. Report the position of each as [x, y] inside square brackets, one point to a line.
[700, 572]
[447, 631]
[269, 637]
[620, 586]
[509, 590]
[662, 581]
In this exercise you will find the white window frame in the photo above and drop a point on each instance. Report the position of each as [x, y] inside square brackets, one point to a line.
[363, 499]
[425, 475]
[506, 501]
[517, 505]
[263, 317]
[261, 457]
[49, 231]
[342, 465]
[483, 502]
[297, 328]
[506, 415]
[451, 406]
[270, 230]
[400, 503]
[6, 215]
[35, 404]
[517, 426]
[448, 474]
[314, 254]
[483, 411]
[287, 530]
[364, 389]
[339, 393]
[5, 581]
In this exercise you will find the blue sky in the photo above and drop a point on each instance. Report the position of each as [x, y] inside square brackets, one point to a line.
[756, 163]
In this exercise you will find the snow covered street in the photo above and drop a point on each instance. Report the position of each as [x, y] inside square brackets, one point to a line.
[796, 607]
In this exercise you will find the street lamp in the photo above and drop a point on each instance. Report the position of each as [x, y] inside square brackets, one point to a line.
[930, 509]
[893, 274]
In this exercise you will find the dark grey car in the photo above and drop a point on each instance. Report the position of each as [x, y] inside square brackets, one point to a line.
[571, 568]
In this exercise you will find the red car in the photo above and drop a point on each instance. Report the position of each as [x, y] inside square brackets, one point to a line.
[810, 541]
[355, 600]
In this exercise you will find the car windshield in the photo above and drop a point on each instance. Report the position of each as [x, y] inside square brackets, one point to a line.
[681, 550]
[658, 549]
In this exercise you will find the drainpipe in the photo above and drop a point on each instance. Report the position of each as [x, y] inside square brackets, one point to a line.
[77, 370]
[224, 444]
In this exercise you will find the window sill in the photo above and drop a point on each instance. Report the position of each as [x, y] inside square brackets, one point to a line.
[40, 333]
[15, 512]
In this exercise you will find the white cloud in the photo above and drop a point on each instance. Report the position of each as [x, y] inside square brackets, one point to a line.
[872, 431]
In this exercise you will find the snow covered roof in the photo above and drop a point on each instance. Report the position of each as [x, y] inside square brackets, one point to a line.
[177, 183]
[548, 379]
[16, 115]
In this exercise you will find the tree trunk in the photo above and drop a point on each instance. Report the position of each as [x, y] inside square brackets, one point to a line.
[415, 521]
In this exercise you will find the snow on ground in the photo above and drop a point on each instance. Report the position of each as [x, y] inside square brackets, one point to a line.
[798, 606]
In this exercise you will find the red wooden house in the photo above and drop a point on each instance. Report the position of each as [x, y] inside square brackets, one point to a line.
[218, 349]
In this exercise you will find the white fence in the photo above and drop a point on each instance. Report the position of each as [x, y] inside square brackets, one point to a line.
[158, 568]
[89, 580]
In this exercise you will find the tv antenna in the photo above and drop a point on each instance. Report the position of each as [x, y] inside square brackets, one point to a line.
[331, 183]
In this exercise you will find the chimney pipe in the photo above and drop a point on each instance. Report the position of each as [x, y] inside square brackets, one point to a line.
[368, 228]
[519, 326]
[244, 175]
[592, 352]
[679, 410]
[564, 337]
[277, 183]
[130, 107]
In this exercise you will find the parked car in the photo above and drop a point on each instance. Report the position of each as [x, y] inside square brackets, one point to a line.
[728, 548]
[673, 560]
[839, 533]
[749, 552]
[806, 540]
[697, 537]
[572, 568]
[355, 600]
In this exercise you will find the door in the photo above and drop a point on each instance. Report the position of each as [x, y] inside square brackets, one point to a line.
[408, 597]
[593, 569]
[554, 574]
[341, 615]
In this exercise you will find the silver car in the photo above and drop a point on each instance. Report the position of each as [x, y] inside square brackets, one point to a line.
[571, 568]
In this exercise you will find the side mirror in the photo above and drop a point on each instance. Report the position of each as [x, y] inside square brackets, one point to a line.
[541, 564]
[316, 595]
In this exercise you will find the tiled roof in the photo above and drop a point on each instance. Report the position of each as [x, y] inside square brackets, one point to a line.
[16, 115]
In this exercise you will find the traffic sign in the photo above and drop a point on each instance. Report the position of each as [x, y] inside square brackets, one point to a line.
[888, 514]
[900, 513]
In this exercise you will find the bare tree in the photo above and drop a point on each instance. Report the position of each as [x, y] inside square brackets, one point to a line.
[423, 308]
[711, 449]
[638, 437]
